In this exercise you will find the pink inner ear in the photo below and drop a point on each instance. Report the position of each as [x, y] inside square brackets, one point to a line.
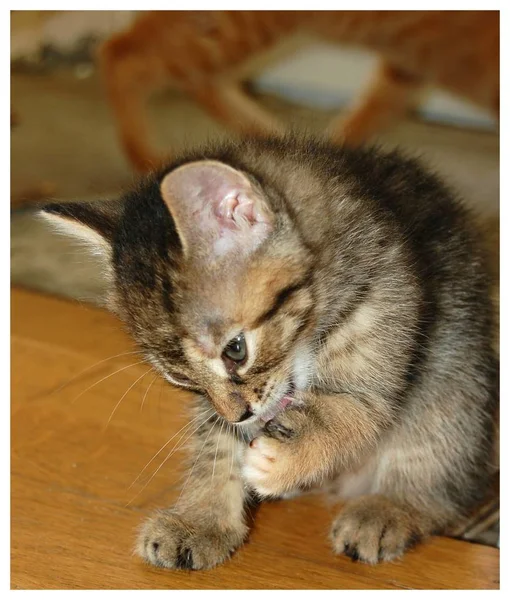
[237, 209]
[216, 208]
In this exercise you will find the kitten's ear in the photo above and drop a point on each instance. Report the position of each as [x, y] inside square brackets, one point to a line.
[94, 222]
[216, 209]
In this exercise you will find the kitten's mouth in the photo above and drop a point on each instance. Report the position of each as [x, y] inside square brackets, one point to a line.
[278, 407]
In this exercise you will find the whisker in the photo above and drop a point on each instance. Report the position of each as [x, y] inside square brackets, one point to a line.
[216, 453]
[186, 426]
[197, 458]
[161, 386]
[126, 393]
[229, 433]
[244, 434]
[233, 451]
[147, 391]
[74, 377]
[107, 377]
[166, 458]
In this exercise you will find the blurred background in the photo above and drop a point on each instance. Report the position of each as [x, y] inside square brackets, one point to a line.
[64, 143]
[68, 475]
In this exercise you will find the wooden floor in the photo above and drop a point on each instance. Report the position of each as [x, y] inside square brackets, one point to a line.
[74, 515]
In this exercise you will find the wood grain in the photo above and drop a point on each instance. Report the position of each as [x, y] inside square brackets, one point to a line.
[74, 514]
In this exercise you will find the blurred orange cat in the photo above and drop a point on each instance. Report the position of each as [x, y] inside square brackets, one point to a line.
[207, 54]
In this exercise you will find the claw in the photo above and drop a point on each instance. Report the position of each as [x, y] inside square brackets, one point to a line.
[184, 559]
[352, 553]
[277, 430]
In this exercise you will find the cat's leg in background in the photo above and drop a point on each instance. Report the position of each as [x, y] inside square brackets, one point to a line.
[35, 192]
[130, 77]
[390, 95]
[208, 522]
[227, 102]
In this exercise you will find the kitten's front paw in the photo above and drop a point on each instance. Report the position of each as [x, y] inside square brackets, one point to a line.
[280, 461]
[272, 469]
[262, 468]
[373, 529]
[173, 541]
[287, 426]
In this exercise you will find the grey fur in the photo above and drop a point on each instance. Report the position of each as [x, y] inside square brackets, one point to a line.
[376, 316]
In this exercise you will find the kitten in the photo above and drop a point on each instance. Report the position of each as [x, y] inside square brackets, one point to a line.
[333, 307]
[207, 54]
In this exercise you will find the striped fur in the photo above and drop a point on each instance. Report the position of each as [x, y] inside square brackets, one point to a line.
[362, 290]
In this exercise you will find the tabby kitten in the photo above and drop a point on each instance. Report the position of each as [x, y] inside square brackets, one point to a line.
[208, 54]
[333, 305]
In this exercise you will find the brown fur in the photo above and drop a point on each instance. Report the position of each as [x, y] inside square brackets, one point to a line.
[362, 290]
[208, 54]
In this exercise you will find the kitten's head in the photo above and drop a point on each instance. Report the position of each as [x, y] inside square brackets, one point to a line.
[213, 280]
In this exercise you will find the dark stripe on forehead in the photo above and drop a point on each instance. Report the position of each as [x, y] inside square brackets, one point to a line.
[282, 297]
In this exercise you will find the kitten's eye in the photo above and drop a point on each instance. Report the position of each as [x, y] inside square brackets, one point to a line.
[236, 349]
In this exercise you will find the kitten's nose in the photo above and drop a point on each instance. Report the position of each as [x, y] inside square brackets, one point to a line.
[246, 415]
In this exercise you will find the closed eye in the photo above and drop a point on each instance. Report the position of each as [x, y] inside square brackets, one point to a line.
[180, 380]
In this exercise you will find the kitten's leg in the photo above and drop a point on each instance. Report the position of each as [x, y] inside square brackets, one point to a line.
[227, 102]
[307, 444]
[379, 528]
[390, 95]
[130, 77]
[328, 435]
[207, 523]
